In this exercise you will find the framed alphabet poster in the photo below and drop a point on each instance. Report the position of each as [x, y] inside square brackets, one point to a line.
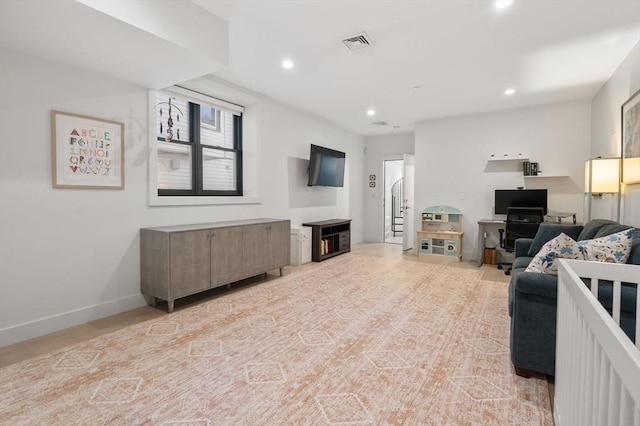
[87, 152]
[631, 140]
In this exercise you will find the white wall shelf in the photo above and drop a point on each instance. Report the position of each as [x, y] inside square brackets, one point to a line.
[507, 157]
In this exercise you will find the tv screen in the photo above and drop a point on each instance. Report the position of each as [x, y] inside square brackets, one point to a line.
[326, 167]
[519, 198]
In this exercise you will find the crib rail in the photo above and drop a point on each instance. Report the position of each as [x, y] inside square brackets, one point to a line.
[597, 378]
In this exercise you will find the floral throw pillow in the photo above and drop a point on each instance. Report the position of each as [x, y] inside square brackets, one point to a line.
[561, 247]
[614, 248]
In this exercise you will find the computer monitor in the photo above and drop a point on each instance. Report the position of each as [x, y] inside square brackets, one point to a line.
[519, 198]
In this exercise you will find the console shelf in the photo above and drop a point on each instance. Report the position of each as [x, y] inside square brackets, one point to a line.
[329, 238]
[507, 157]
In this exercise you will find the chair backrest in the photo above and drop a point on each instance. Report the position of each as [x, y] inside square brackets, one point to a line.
[522, 222]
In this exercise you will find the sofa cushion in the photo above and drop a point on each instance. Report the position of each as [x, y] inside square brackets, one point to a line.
[560, 247]
[614, 248]
[521, 246]
[548, 231]
[592, 227]
[610, 229]
[521, 262]
[605, 295]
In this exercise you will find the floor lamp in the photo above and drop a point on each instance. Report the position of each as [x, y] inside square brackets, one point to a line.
[601, 176]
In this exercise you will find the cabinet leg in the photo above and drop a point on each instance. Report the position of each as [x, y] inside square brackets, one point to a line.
[282, 272]
[170, 305]
[154, 301]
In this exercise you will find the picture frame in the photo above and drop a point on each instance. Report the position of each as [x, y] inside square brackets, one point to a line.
[630, 149]
[87, 152]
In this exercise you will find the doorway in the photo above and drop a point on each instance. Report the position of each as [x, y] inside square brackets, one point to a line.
[397, 214]
[393, 201]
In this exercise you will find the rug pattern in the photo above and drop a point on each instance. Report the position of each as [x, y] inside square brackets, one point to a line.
[354, 340]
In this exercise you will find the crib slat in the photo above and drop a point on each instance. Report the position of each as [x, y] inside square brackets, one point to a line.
[613, 405]
[638, 322]
[615, 311]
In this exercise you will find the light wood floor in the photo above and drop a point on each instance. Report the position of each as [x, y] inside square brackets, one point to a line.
[50, 342]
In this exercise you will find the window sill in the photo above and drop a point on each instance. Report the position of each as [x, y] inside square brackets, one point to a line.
[155, 200]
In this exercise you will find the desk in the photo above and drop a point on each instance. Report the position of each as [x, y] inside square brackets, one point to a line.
[483, 225]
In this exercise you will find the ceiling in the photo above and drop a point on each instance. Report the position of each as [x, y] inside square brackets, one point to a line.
[429, 58]
[123, 39]
[462, 54]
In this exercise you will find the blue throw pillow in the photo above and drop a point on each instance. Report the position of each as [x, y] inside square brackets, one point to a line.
[614, 248]
[560, 247]
[548, 231]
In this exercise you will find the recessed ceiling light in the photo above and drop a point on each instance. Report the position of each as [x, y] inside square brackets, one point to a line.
[502, 4]
[417, 87]
[371, 112]
[509, 91]
[287, 64]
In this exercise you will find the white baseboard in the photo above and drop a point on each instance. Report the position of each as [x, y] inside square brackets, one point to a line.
[40, 327]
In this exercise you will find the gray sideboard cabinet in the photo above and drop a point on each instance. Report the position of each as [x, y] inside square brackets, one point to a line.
[177, 261]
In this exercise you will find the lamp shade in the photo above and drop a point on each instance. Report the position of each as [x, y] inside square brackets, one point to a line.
[602, 175]
[631, 169]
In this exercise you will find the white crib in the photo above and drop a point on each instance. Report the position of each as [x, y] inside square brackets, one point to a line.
[597, 378]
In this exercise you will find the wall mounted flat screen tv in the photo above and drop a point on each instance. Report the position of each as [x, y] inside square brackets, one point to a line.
[326, 167]
[519, 198]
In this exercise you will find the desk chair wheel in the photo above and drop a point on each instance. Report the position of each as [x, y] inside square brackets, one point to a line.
[507, 272]
[499, 266]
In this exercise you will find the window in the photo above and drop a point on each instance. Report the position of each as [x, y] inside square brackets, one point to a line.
[199, 146]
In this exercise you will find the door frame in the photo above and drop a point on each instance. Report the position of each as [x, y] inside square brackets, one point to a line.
[408, 242]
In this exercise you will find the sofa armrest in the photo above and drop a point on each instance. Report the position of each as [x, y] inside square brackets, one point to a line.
[537, 284]
[533, 322]
[521, 247]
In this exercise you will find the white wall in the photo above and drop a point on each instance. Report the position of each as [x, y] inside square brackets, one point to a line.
[285, 158]
[605, 130]
[452, 153]
[68, 256]
[378, 149]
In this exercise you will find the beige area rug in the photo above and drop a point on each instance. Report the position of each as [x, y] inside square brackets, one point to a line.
[353, 340]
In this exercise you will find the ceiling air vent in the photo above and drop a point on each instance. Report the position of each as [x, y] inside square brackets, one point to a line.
[359, 41]
[380, 123]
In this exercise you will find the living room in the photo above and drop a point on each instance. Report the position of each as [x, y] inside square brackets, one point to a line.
[70, 256]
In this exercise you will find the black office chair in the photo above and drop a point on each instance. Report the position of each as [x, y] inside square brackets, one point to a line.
[522, 222]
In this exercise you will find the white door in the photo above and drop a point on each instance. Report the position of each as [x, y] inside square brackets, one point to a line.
[408, 214]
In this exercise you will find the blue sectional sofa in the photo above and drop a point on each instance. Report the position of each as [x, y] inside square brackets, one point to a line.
[533, 296]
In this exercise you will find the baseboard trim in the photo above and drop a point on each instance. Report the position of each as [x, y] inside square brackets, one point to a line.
[40, 327]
